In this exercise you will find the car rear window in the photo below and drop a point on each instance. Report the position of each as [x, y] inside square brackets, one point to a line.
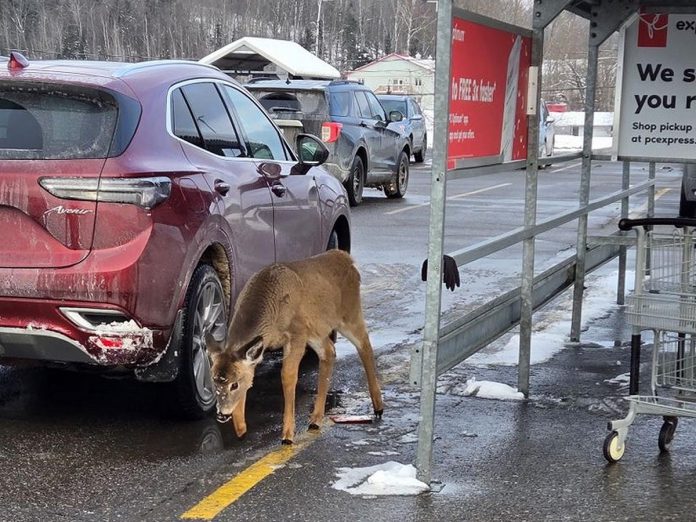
[56, 122]
[341, 103]
[307, 102]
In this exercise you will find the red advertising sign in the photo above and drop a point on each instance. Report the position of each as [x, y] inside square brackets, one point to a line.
[488, 92]
[652, 30]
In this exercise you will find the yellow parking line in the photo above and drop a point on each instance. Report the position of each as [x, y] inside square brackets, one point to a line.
[225, 495]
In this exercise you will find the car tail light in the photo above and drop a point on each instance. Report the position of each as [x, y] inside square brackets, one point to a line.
[330, 131]
[143, 192]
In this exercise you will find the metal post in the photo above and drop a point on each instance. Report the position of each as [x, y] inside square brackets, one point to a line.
[431, 332]
[651, 190]
[590, 93]
[530, 212]
[650, 213]
[621, 287]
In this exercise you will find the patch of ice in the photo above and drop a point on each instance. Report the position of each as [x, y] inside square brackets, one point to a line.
[491, 390]
[390, 478]
[383, 453]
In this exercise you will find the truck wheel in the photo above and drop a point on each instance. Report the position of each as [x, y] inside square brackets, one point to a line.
[355, 182]
[204, 312]
[397, 188]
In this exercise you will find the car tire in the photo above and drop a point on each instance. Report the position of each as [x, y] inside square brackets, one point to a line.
[356, 182]
[204, 312]
[419, 156]
[333, 241]
[397, 189]
[542, 154]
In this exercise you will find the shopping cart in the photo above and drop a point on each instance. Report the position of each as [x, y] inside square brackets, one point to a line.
[664, 301]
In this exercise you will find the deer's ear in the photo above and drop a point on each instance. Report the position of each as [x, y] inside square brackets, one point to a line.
[254, 352]
[212, 345]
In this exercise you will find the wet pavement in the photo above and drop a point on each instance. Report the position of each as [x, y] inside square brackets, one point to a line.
[78, 447]
[534, 460]
[83, 447]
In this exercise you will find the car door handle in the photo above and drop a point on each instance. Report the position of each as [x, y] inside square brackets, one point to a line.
[279, 189]
[222, 187]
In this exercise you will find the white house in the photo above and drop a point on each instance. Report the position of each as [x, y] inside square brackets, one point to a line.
[252, 57]
[399, 74]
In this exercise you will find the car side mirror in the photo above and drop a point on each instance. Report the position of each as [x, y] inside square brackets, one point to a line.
[311, 150]
[395, 116]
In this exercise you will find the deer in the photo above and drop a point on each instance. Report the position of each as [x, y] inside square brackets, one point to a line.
[290, 306]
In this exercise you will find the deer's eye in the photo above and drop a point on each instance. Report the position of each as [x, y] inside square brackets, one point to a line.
[234, 386]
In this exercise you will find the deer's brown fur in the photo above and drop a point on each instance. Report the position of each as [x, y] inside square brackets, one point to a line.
[290, 306]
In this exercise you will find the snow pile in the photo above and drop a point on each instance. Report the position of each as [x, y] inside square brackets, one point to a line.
[119, 327]
[130, 336]
[622, 380]
[390, 478]
[599, 299]
[491, 390]
[566, 142]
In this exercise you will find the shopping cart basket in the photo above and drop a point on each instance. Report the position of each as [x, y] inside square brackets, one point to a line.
[664, 301]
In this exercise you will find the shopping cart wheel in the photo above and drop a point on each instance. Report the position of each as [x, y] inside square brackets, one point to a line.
[664, 441]
[612, 451]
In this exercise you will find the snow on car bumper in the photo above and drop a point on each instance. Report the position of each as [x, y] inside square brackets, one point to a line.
[52, 337]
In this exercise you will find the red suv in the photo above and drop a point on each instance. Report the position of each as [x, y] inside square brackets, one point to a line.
[135, 202]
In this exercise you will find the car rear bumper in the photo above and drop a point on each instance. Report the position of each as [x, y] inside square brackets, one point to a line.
[51, 336]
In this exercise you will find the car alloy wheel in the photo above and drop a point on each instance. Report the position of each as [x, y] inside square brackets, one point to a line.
[355, 183]
[397, 188]
[209, 315]
[205, 313]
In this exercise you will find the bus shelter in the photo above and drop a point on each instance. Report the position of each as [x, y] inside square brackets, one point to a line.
[488, 67]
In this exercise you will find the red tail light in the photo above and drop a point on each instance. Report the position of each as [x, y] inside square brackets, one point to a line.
[17, 61]
[330, 131]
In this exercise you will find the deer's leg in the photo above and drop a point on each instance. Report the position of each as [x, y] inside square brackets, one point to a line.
[327, 356]
[356, 333]
[239, 419]
[294, 351]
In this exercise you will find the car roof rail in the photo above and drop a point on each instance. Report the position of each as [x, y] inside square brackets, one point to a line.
[345, 82]
[263, 79]
[134, 67]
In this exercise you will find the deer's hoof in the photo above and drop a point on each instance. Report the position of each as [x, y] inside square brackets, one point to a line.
[378, 413]
[286, 442]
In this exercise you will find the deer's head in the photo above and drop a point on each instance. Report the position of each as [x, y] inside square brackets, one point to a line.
[233, 370]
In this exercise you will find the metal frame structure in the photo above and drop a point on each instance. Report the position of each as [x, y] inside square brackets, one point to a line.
[445, 346]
